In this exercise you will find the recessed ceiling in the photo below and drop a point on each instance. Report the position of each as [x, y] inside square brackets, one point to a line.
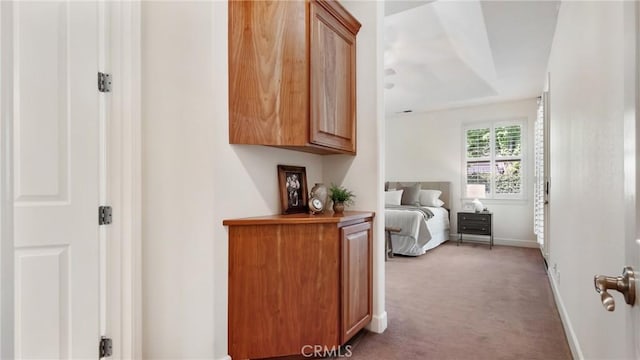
[449, 54]
[396, 6]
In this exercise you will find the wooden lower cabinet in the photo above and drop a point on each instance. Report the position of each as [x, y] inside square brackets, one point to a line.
[297, 280]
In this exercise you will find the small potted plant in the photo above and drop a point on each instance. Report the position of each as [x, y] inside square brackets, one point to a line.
[341, 197]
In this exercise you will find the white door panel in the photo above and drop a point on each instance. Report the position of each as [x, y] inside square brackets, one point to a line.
[632, 168]
[41, 96]
[42, 279]
[56, 154]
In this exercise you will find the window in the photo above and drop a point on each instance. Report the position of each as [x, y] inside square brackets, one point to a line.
[493, 158]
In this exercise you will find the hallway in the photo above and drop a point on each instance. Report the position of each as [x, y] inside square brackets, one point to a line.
[468, 302]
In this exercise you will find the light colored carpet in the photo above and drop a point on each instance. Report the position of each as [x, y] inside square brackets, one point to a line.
[468, 302]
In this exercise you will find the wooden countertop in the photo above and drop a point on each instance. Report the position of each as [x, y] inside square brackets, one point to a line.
[301, 218]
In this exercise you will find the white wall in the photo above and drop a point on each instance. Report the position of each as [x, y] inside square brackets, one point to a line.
[429, 147]
[177, 180]
[193, 179]
[587, 212]
[364, 173]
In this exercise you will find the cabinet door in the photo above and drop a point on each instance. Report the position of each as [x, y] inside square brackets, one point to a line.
[333, 82]
[356, 279]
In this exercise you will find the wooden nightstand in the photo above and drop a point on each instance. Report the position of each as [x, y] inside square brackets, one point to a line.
[475, 223]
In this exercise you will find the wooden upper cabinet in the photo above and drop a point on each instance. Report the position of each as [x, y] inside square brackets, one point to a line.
[292, 75]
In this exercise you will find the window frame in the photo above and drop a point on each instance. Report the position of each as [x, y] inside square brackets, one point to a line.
[493, 159]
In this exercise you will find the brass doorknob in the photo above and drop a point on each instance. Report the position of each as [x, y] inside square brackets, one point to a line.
[626, 284]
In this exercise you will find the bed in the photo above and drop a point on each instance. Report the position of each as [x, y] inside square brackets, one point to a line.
[422, 227]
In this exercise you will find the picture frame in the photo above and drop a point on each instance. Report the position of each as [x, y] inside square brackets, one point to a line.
[292, 183]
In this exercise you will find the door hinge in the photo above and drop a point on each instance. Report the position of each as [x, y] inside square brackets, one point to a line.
[104, 82]
[105, 347]
[104, 215]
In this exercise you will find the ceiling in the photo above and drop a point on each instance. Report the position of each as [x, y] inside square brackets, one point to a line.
[442, 54]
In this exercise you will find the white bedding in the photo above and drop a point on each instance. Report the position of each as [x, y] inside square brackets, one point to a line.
[417, 235]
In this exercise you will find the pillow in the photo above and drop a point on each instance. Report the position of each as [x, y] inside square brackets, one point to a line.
[392, 197]
[431, 198]
[411, 195]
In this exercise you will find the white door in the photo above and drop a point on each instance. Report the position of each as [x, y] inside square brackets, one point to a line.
[57, 179]
[632, 169]
[546, 170]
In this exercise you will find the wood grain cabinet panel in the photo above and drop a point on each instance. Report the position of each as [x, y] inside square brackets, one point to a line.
[356, 280]
[333, 71]
[297, 280]
[292, 71]
[275, 273]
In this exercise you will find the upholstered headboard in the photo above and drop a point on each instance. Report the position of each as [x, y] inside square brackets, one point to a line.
[444, 186]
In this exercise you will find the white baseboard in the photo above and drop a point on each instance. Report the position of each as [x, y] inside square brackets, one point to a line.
[378, 323]
[574, 345]
[226, 357]
[496, 241]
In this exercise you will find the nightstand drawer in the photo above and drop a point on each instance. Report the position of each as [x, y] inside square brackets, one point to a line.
[479, 217]
[477, 229]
